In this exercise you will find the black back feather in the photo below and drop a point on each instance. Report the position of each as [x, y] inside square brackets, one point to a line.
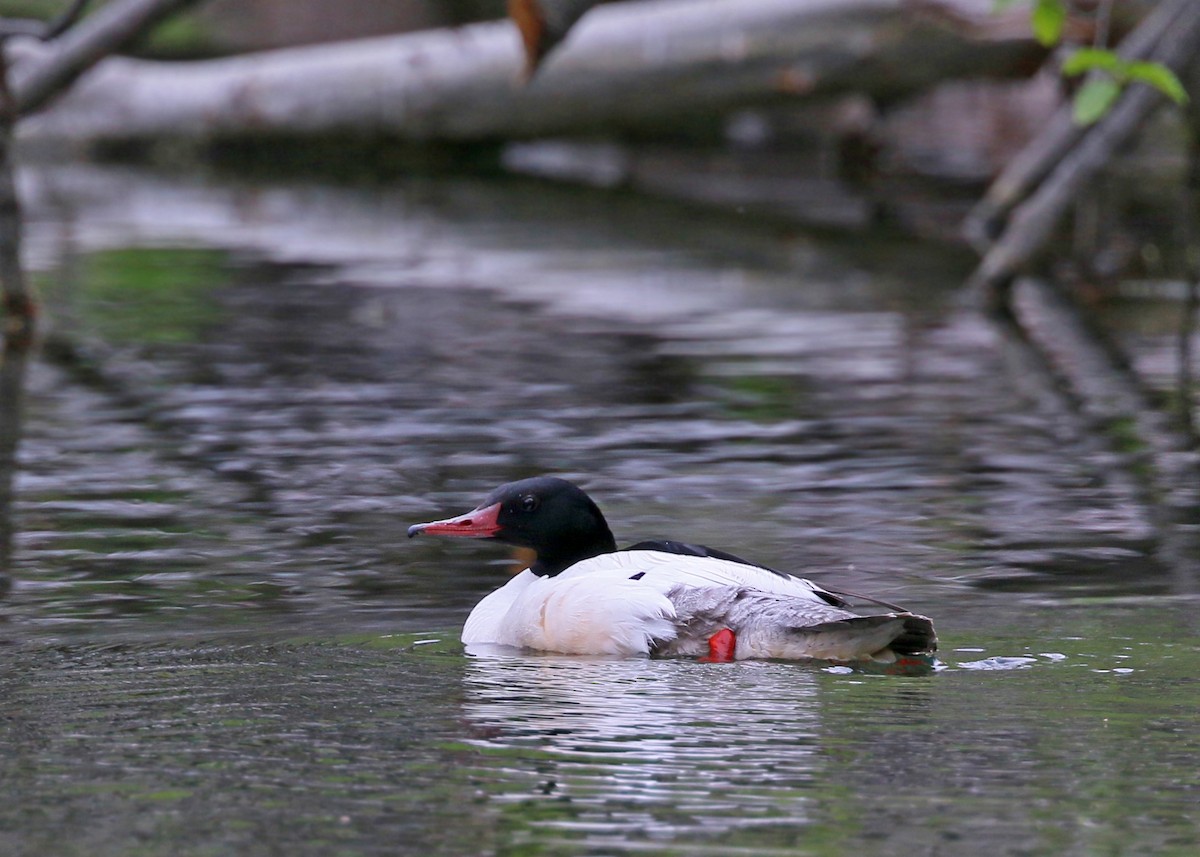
[685, 549]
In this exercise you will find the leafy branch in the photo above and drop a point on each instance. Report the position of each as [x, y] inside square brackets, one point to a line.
[1109, 72]
[1112, 74]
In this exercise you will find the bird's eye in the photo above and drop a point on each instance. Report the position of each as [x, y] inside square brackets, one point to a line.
[529, 503]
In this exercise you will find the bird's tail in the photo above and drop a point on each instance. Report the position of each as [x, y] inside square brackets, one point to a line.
[917, 638]
[874, 637]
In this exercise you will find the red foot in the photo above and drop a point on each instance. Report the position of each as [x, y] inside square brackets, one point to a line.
[721, 647]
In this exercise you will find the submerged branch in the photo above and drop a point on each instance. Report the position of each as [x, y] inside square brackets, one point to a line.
[13, 357]
[19, 307]
[1186, 354]
[1190, 311]
[1117, 411]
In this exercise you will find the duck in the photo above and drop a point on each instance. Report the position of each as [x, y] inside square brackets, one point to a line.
[581, 595]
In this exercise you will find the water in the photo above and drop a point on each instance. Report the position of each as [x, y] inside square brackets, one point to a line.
[218, 640]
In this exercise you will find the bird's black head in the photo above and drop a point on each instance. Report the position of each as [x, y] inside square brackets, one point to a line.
[551, 516]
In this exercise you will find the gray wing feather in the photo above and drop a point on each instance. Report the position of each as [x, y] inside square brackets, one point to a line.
[769, 625]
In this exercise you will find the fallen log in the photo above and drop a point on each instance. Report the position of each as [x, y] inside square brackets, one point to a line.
[642, 67]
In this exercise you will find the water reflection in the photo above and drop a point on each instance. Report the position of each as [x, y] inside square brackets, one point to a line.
[12, 391]
[270, 409]
[647, 748]
[284, 374]
[1185, 386]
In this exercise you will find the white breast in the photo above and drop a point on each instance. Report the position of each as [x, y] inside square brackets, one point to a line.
[596, 614]
[595, 608]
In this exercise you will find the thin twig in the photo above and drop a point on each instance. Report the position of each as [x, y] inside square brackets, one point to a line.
[43, 30]
[58, 26]
[1103, 23]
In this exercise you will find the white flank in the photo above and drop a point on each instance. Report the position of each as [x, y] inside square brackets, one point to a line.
[595, 608]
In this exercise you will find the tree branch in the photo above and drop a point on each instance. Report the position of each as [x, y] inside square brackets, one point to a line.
[1032, 224]
[107, 30]
[72, 51]
[1037, 160]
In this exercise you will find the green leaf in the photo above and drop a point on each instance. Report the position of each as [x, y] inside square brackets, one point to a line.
[1160, 77]
[1094, 99]
[1047, 20]
[1089, 59]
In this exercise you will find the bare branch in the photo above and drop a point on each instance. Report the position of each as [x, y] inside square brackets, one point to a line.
[109, 29]
[71, 52]
[43, 30]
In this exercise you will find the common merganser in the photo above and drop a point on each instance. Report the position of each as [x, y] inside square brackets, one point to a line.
[583, 596]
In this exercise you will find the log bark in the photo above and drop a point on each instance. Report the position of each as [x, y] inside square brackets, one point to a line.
[637, 66]
[543, 24]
